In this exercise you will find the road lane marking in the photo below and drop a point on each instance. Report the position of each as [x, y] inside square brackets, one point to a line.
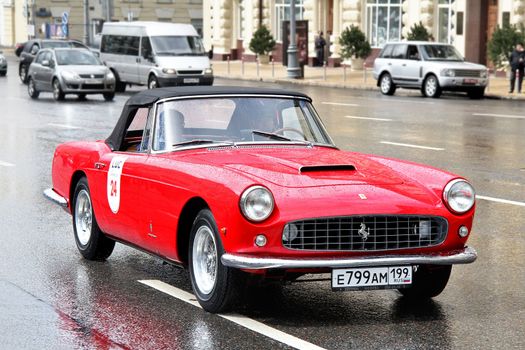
[64, 126]
[510, 116]
[499, 200]
[412, 146]
[243, 321]
[368, 118]
[2, 163]
[340, 104]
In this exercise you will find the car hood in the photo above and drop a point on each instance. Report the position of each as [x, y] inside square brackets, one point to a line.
[301, 167]
[183, 62]
[83, 69]
[457, 65]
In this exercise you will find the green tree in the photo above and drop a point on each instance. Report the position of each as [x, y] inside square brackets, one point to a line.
[353, 43]
[262, 42]
[419, 32]
[503, 41]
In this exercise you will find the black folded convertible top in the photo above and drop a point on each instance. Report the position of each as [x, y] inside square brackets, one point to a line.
[147, 98]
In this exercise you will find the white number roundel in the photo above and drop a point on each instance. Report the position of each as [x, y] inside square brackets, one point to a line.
[114, 175]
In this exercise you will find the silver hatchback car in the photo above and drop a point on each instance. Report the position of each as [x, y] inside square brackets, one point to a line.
[430, 67]
[69, 71]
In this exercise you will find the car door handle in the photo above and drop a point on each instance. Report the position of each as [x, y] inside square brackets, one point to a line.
[100, 165]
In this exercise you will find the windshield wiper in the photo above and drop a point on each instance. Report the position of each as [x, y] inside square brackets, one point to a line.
[278, 137]
[199, 142]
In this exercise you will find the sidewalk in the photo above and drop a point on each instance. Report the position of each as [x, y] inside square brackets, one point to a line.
[331, 77]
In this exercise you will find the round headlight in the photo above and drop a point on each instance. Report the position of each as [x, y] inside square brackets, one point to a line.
[257, 203]
[459, 196]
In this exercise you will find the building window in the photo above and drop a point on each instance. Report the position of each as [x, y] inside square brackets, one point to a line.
[445, 21]
[383, 21]
[459, 23]
[282, 13]
[505, 18]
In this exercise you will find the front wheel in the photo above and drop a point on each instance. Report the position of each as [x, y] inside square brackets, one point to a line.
[428, 282]
[387, 85]
[431, 87]
[108, 96]
[58, 94]
[92, 243]
[215, 285]
[31, 89]
[22, 72]
[153, 82]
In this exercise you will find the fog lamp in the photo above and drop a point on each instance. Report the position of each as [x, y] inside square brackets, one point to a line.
[463, 231]
[260, 240]
[290, 232]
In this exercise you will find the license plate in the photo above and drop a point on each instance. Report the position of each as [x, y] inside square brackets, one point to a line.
[470, 81]
[93, 81]
[191, 80]
[391, 277]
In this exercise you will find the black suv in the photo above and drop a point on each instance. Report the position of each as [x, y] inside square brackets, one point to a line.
[32, 47]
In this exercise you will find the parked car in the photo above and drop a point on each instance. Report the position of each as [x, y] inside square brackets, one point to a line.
[238, 182]
[155, 54]
[32, 47]
[69, 71]
[3, 65]
[430, 67]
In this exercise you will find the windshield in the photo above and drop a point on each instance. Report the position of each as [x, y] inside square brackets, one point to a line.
[441, 53]
[178, 45]
[236, 120]
[75, 57]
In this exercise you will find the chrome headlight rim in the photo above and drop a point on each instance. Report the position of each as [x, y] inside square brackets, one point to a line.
[448, 198]
[244, 201]
[447, 72]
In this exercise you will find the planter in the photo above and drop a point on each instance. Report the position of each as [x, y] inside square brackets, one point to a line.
[264, 59]
[357, 63]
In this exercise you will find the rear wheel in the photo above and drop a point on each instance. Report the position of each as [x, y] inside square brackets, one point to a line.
[215, 285]
[92, 243]
[431, 87]
[31, 89]
[476, 93]
[153, 82]
[386, 84]
[58, 94]
[428, 282]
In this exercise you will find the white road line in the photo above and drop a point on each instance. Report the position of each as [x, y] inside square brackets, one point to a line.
[340, 104]
[499, 200]
[243, 321]
[64, 126]
[499, 115]
[412, 146]
[368, 118]
[2, 163]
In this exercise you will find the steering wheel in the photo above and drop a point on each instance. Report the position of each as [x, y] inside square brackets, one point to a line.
[297, 131]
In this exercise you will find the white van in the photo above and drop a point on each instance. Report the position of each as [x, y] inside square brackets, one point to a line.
[155, 54]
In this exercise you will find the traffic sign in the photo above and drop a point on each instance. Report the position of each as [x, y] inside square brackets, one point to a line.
[65, 18]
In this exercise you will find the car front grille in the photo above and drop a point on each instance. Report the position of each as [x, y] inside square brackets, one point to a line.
[365, 233]
[468, 73]
[92, 76]
[189, 72]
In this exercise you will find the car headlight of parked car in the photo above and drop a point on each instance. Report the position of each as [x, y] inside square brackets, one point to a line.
[448, 73]
[2, 60]
[208, 71]
[68, 75]
[483, 74]
[257, 203]
[110, 75]
[459, 196]
[169, 70]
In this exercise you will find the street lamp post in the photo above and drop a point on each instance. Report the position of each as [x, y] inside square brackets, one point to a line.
[293, 70]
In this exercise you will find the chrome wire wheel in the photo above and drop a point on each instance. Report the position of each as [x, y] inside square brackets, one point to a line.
[83, 217]
[205, 259]
[431, 86]
[386, 83]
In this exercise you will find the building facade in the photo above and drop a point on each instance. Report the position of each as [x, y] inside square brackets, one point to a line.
[467, 24]
[48, 17]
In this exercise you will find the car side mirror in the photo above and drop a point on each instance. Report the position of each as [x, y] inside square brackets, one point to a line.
[210, 54]
[46, 63]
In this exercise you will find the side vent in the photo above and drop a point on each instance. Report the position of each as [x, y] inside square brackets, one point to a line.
[320, 168]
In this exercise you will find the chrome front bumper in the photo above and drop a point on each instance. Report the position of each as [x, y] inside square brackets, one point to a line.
[464, 256]
[54, 197]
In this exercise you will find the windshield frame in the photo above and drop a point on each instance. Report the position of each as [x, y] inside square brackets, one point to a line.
[195, 38]
[228, 143]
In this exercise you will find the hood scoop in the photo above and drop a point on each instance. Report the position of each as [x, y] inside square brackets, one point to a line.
[323, 168]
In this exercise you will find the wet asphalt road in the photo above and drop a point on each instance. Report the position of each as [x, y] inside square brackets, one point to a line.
[50, 298]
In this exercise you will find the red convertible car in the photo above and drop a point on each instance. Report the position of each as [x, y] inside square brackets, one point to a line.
[243, 184]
